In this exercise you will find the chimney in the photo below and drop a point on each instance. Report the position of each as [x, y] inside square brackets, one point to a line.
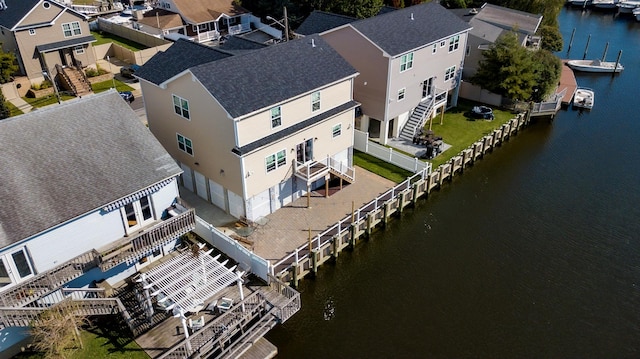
[411, 16]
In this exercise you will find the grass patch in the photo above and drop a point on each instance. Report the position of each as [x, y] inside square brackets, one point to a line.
[106, 85]
[47, 100]
[13, 110]
[103, 340]
[380, 167]
[460, 131]
[105, 37]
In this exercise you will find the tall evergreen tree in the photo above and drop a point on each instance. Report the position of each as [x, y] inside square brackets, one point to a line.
[4, 109]
[8, 65]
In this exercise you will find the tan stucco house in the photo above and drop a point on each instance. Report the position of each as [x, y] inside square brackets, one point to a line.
[43, 34]
[256, 130]
[409, 62]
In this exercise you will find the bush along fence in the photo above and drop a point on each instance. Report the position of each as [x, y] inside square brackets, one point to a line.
[359, 225]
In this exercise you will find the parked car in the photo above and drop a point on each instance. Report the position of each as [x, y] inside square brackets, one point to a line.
[127, 96]
[128, 71]
[482, 112]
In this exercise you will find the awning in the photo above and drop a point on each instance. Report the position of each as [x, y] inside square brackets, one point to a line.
[76, 41]
[187, 280]
[136, 196]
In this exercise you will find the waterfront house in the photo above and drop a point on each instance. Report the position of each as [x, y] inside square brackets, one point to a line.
[489, 23]
[47, 36]
[257, 130]
[90, 198]
[409, 62]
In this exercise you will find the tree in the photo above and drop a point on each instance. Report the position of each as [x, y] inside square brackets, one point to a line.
[507, 69]
[4, 109]
[360, 9]
[547, 73]
[7, 65]
[56, 330]
[551, 38]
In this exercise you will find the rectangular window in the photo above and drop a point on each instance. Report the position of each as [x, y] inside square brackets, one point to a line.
[315, 101]
[137, 213]
[32, 32]
[276, 160]
[336, 130]
[79, 50]
[71, 29]
[406, 62]
[454, 43]
[434, 49]
[184, 144]
[450, 73]
[401, 94]
[443, 43]
[276, 117]
[22, 263]
[181, 106]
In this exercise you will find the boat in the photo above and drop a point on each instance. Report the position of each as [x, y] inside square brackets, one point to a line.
[636, 13]
[605, 4]
[581, 2]
[595, 66]
[626, 7]
[584, 98]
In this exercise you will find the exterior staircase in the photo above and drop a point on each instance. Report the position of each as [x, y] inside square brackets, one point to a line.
[74, 80]
[417, 119]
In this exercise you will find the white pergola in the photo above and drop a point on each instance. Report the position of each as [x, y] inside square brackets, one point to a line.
[186, 282]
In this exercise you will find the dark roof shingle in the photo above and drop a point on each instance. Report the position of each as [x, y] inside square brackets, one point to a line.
[403, 30]
[15, 11]
[320, 21]
[66, 160]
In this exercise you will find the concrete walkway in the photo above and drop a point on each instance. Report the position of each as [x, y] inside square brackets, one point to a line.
[21, 104]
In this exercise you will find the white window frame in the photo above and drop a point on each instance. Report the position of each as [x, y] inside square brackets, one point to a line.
[73, 28]
[32, 32]
[454, 43]
[406, 62]
[79, 50]
[275, 161]
[402, 94]
[336, 130]
[13, 275]
[443, 43]
[185, 144]
[179, 109]
[450, 73]
[434, 49]
[276, 119]
[315, 101]
[141, 211]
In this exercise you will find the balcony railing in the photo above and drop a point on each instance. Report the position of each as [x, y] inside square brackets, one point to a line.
[314, 170]
[130, 249]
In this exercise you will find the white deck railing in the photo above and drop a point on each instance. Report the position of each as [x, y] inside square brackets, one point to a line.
[388, 154]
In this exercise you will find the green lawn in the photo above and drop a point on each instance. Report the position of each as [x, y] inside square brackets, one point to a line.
[47, 100]
[105, 37]
[105, 85]
[13, 110]
[460, 131]
[102, 341]
[380, 167]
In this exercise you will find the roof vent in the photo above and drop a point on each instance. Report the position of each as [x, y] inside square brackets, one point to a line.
[411, 16]
[313, 42]
[3, 5]
[473, 11]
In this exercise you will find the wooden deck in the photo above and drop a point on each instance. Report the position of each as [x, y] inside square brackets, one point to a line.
[567, 81]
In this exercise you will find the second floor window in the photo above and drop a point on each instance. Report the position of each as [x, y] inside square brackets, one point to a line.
[434, 49]
[32, 32]
[276, 117]
[71, 29]
[454, 43]
[406, 62]
[181, 107]
[276, 160]
[315, 101]
[450, 73]
[401, 94]
[336, 130]
[185, 144]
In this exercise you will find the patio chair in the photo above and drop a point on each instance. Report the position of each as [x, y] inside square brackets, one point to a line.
[196, 324]
[225, 304]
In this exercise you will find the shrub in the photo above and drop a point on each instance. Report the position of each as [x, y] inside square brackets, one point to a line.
[91, 72]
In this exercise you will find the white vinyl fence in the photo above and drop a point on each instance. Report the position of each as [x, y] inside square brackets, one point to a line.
[361, 143]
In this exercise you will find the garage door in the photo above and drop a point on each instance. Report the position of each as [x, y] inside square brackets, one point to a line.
[260, 205]
[236, 205]
[187, 178]
[201, 185]
[217, 194]
[285, 193]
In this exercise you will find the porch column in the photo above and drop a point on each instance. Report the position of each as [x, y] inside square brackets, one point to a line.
[384, 131]
[240, 288]
[308, 195]
[326, 186]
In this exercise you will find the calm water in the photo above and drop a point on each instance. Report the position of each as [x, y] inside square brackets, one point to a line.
[532, 253]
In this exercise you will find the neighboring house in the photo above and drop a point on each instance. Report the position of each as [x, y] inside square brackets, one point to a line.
[88, 195]
[257, 130]
[161, 22]
[206, 20]
[320, 21]
[489, 23]
[44, 35]
[409, 62]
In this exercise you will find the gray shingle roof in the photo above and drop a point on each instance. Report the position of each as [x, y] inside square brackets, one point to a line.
[15, 11]
[66, 43]
[320, 21]
[237, 45]
[180, 56]
[65, 160]
[263, 78]
[396, 33]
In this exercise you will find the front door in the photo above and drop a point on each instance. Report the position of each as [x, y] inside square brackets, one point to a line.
[304, 151]
[427, 88]
[137, 214]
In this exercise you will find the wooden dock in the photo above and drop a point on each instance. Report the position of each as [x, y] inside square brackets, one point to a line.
[568, 82]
